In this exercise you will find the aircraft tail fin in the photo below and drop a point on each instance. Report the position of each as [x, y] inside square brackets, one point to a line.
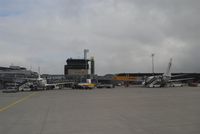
[39, 76]
[168, 72]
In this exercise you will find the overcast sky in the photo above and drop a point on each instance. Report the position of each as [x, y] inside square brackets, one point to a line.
[120, 34]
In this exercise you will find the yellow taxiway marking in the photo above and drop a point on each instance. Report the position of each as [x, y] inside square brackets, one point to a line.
[16, 102]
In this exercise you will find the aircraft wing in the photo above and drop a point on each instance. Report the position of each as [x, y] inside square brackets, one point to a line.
[50, 84]
[179, 75]
[184, 79]
[32, 78]
[57, 84]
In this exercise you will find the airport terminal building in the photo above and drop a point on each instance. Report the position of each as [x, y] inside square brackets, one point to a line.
[14, 74]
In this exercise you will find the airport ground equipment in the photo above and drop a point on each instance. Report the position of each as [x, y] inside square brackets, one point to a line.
[160, 80]
[25, 86]
[105, 83]
[105, 86]
[165, 79]
[84, 85]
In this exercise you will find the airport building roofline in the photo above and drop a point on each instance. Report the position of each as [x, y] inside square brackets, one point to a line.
[70, 59]
[12, 68]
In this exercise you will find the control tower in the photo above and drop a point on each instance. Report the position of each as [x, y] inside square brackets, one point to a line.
[80, 67]
[77, 67]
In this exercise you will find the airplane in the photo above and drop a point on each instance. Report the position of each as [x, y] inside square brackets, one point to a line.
[41, 83]
[163, 80]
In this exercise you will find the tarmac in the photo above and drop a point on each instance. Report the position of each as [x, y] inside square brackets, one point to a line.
[119, 110]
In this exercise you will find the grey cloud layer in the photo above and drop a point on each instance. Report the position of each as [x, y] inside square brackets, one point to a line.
[121, 34]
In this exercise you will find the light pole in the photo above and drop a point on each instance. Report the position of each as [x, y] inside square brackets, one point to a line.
[152, 55]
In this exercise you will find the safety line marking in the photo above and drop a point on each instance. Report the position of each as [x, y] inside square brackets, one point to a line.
[16, 102]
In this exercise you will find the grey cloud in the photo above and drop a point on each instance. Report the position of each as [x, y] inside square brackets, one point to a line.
[121, 34]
